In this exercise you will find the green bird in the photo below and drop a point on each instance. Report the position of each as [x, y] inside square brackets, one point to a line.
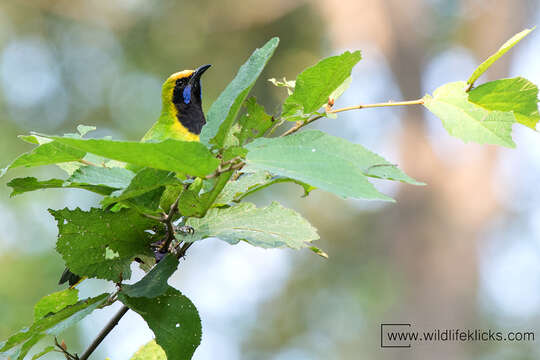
[182, 118]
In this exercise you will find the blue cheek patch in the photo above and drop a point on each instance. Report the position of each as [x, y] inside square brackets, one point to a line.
[187, 94]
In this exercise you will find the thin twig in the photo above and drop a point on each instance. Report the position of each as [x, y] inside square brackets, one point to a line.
[63, 349]
[86, 162]
[220, 170]
[301, 124]
[168, 221]
[157, 218]
[104, 332]
[182, 252]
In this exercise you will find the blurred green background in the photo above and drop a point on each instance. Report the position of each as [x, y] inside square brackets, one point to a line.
[462, 252]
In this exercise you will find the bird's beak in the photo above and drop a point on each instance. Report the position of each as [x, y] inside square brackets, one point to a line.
[197, 73]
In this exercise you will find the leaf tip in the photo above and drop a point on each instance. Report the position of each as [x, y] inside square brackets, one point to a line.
[319, 252]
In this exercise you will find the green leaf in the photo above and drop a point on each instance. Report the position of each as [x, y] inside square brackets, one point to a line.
[18, 345]
[113, 177]
[190, 204]
[46, 154]
[87, 238]
[22, 185]
[326, 162]
[169, 196]
[235, 188]
[329, 77]
[250, 181]
[468, 121]
[43, 352]
[55, 302]
[254, 123]
[145, 181]
[147, 203]
[174, 320]
[518, 95]
[223, 111]
[173, 155]
[319, 252]
[85, 129]
[269, 227]
[100, 180]
[150, 351]
[154, 284]
[208, 198]
[502, 50]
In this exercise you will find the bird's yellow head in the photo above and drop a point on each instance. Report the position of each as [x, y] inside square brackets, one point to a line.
[182, 100]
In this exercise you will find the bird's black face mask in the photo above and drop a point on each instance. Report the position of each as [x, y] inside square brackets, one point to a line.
[187, 98]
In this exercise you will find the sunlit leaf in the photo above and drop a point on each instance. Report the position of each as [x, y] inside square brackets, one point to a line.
[150, 351]
[517, 95]
[55, 302]
[468, 121]
[315, 85]
[502, 50]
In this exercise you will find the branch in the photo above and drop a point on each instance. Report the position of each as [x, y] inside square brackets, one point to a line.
[168, 221]
[301, 124]
[62, 348]
[104, 332]
[233, 164]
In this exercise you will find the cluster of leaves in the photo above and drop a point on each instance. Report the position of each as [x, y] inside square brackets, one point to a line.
[203, 185]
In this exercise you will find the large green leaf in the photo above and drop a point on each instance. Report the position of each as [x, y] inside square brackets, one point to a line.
[55, 302]
[518, 95]
[468, 121]
[154, 283]
[223, 111]
[269, 227]
[48, 153]
[18, 345]
[326, 162]
[100, 243]
[22, 185]
[150, 351]
[191, 158]
[502, 50]
[174, 320]
[317, 83]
